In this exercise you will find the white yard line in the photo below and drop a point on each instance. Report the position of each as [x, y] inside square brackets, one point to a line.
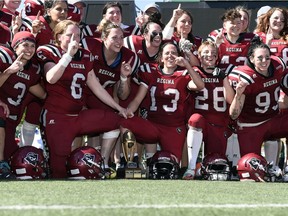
[227, 206]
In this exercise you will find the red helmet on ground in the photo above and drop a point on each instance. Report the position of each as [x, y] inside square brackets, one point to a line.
[163, 165]
[215, 167]
[85, 163]
[252, 167]
[28, 162]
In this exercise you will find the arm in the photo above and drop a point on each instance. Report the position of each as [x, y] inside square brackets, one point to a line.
[38, 91]
[228, 91]
[54, 72]
[238, 101]
[196, 83]
[16, 66]
[134, 104]
[123, 84]
[169, 28]
[102, 94]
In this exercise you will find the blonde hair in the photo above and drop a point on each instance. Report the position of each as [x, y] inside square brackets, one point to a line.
[61, 28]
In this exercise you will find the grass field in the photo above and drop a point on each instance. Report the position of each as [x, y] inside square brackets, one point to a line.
[142, 197]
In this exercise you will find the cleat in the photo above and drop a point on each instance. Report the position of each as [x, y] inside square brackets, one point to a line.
[5, 172]
[189, 174]
[110, 173]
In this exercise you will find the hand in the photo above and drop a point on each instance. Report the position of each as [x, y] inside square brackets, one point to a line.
[180, 61]
[177, 12]
[129, 113]
[122, 112]
[269, 36]
[240, 87]
[126, 68]
[16, 23]
[73, 46]
[37, 25]
[5, 108]
[140, 19]
[219, 37]
[17, 65]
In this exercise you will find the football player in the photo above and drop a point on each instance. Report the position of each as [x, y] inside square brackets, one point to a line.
[210, 118]
[112, 63]
[166, 87]
[255, 104]
[68, 68]
[20, 74]
[272, 29]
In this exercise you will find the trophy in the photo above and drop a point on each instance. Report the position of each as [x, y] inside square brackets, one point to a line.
[129, 147]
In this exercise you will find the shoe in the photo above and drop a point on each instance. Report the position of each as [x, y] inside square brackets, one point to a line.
[5, 172]
[110, 173]
[285, 174]
[189, 174]
[275, 174]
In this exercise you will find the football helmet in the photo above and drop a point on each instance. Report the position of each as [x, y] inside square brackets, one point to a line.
[252, 167]
[215, 167]
[28, 162]
[85, 162]
[163, 165]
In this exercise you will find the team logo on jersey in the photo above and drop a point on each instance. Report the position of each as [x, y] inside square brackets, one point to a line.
[179, 130]
[255, 164]
[88, 159]
[31, 158]
[139, 52]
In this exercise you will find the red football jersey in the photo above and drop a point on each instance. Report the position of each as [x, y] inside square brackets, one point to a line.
[66, 95]
[210, 101]
[136, 44]
[5, 18]
[16, 87]
[278, 47]
[5, 35]
[108, 75]
[234, 53]
[262, 93]
[167, 95]
[43, 37]
[32, 7]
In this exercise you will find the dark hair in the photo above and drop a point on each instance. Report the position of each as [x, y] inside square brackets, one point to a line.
[190, 36]
[255, 44]
[152, 19]
[230, 15]
[160, 54]
[48, 4]
[109, 5]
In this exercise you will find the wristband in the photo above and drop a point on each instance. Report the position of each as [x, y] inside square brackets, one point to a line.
[65, 60]
[123, 79]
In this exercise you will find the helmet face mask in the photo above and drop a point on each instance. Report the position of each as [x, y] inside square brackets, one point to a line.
[85, 163]
[163, 165]
[28, 162]
[215, 167]
[252, 167]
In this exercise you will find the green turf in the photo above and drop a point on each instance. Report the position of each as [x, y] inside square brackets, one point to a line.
[142, 197]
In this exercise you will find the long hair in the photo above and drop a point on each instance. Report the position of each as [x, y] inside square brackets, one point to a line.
[263, 24]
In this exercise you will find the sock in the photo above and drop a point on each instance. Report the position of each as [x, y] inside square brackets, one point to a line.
[194, 141]
[271, 148]
[27, 133]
